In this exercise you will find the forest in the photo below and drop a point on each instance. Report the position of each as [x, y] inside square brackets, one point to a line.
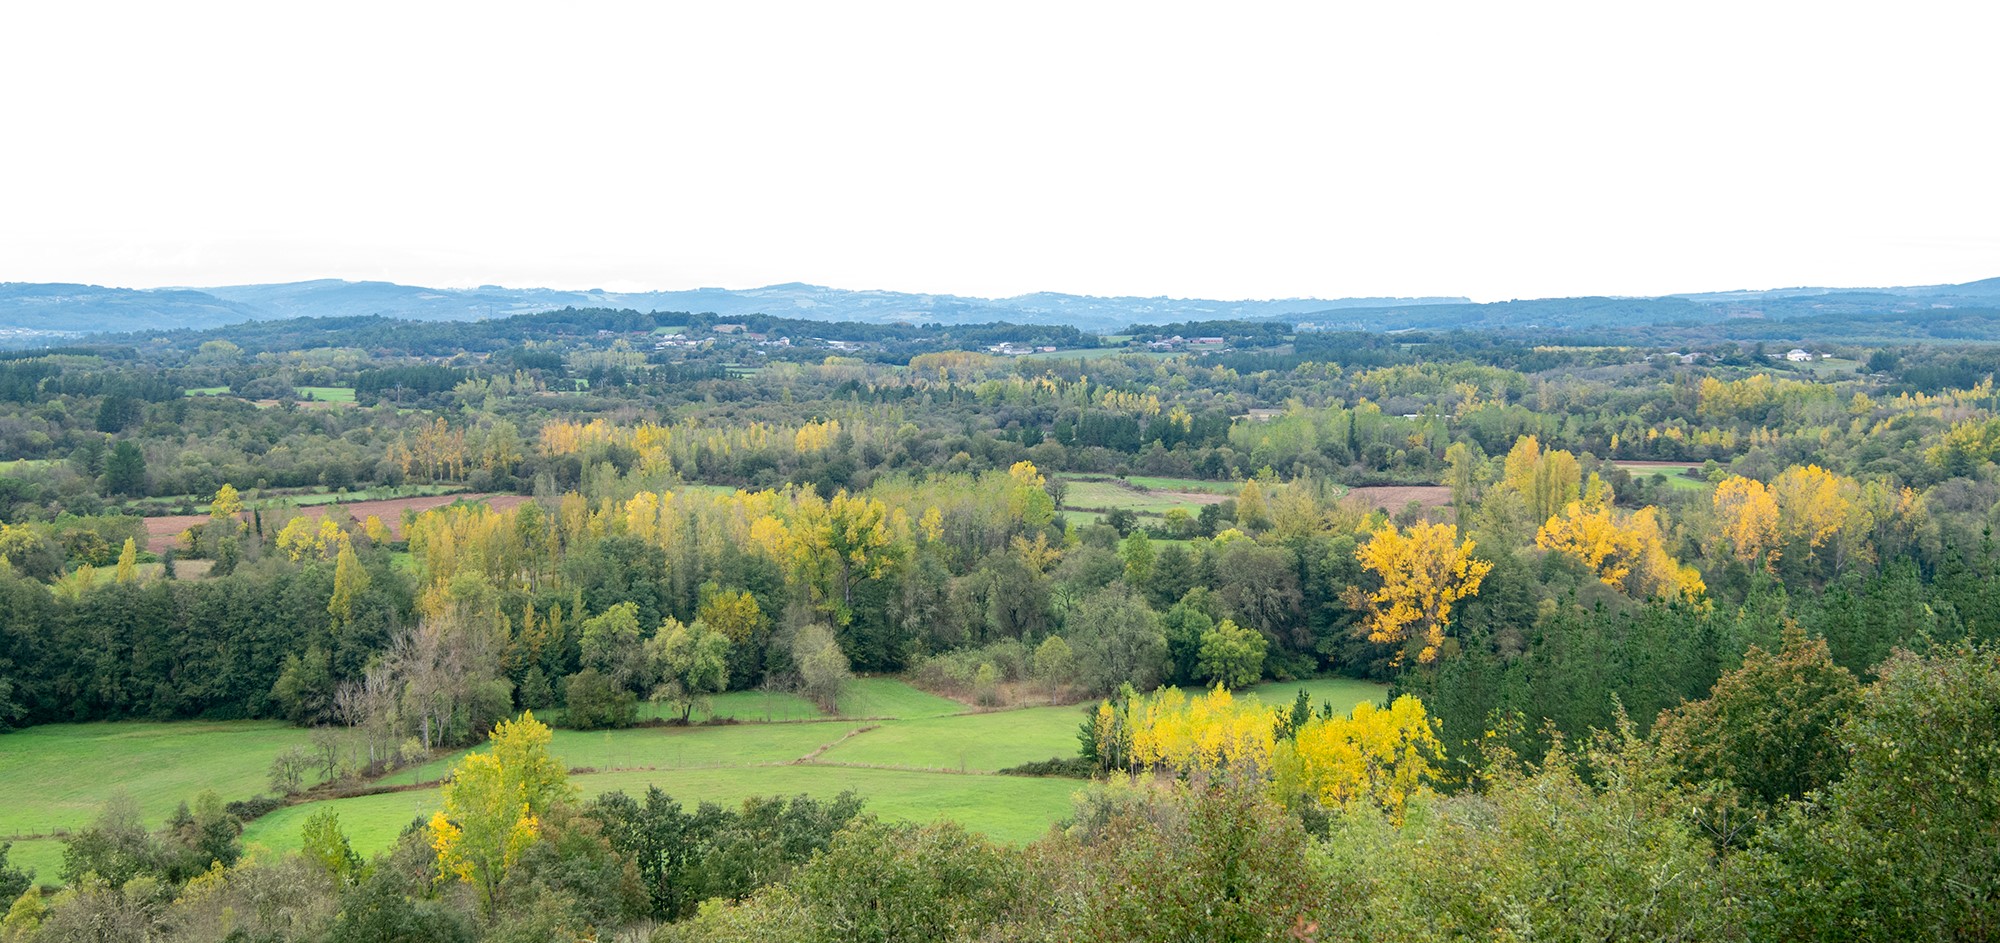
[607, 625]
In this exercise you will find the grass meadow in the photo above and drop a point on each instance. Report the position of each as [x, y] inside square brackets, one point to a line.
[913, 755]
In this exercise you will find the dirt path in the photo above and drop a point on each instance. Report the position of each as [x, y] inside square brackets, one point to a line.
[163, 532]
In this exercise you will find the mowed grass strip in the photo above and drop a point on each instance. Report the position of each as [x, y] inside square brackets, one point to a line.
[965, 743]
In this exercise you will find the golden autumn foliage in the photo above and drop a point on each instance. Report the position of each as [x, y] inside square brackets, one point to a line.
[1374, 756]
[1814, 505]
[1213, 733]
[227, 503]
[1423, 572]
[1626, 552]
[1546, 479]
[1747, 514]
[319, 538]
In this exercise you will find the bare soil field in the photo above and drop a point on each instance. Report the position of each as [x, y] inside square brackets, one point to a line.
[162, 532]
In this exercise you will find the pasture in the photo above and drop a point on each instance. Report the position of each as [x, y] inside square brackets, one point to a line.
[326, 394]
[914, 756]
[1147, 497]
[1672, 471]
[57, 776]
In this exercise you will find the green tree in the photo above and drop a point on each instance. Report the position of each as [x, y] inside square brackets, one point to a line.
[324, 844]
[1137, 552]
[14, 881]
[125, 470]
[1903, 846]
[610, 644]
[692, 663]
[822, 667]
[1767, 729]
[1231, 655]
[1117, 639]
[1055, 665]
[592, 701]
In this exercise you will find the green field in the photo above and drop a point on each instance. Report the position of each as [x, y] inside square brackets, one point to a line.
[1155, 483]
[912, 755]
[1008, 808]
[1673, 474]
[1342, 693]
[1111, 495]
[58, 776]
[967, 742]
[207, 391]
[919, 758]
[24, 464]
[327, 394]
[1094, 353]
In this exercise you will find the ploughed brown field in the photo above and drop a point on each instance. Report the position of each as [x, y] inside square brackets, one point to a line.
[163, 532]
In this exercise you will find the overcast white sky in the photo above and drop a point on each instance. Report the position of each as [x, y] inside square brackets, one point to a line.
[1495, 150]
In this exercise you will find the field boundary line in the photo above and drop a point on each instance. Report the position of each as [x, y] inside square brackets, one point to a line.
[813, 757]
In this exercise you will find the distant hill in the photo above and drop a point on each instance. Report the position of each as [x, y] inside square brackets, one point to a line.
[45, 313]
[86, 308]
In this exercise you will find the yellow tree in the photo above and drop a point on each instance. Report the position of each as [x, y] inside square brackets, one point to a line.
[834, 543]
[1747, 514]
[1251, 510]
[350, 580]
[735, 614]
[494, 803]
[1372, 757]
[1545, 480]
[1814, 505]
[1028, 499]
[1627, 553]
[1423, 572]
[128, 562]
[227, 503]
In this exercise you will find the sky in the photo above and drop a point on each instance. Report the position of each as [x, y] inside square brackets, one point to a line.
[1493, 150]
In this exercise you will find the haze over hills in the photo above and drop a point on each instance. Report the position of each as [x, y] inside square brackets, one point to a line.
[89, 308]
[29, 311]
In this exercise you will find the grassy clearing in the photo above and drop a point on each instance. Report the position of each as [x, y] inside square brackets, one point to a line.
[667, 747]
[1111, 495]
[59, 776]
[1342, 693]
[206, 391]
[1673, 475]
[326, 394]
[20, 465]
[1094, 353]
[749, 707]
[1157, 483]
[1007, 808]
[966, 743]
[888, 697]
